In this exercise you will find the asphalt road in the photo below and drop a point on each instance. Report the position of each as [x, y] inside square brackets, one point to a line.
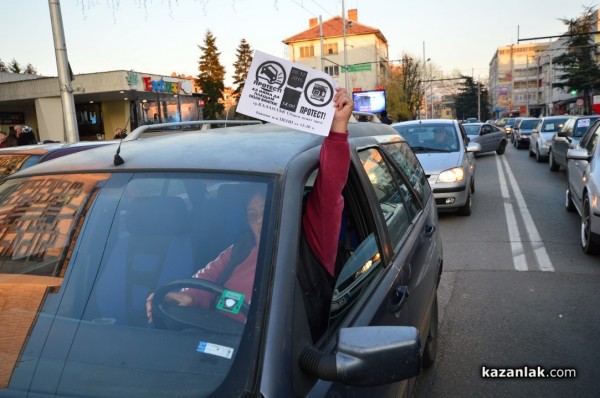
[516, 290]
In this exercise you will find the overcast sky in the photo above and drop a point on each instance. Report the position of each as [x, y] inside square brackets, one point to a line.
[163, 36]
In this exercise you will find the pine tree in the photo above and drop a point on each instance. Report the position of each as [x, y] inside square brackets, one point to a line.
[3, 67]
[467, 102]
[580, 71]
[241, 67]
[211, 78]
[30, 70]
[14, 66]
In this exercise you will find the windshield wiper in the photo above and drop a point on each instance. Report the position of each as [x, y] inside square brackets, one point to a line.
[427, 149]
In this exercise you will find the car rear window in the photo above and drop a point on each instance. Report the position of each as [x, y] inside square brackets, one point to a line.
[528, 124]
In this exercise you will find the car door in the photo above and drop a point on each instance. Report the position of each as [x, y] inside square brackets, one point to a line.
[561, 142]
[578, 170]
[487, 139]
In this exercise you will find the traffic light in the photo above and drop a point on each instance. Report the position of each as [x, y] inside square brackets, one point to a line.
[573, 92]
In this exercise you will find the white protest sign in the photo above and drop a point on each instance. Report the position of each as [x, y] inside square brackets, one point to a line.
[288, 94]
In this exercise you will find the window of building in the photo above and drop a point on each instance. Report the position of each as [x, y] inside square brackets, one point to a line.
[307, 51]
[330, 49]
[332, 70]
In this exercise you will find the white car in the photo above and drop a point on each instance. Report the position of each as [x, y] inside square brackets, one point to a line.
[448, 164]
[541, 136]
[583, 187]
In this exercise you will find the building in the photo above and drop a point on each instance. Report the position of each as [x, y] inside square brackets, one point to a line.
[321, 46]
[103, 101]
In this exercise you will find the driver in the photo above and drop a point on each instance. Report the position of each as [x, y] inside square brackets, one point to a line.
[321, 222]
[441, 138]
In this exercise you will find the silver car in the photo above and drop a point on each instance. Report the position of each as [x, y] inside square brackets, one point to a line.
[490, 137]
[541, 136]
[567, 138]
[583, 187]
[443, 148]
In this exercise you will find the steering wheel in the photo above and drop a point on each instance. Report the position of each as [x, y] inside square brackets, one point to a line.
[169, 315]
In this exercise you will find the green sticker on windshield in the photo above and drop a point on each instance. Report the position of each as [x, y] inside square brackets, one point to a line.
[231, 301]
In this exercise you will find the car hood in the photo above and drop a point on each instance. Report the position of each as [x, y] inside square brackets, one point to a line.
[436, 162]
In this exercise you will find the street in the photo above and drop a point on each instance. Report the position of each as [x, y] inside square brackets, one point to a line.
[517, 291]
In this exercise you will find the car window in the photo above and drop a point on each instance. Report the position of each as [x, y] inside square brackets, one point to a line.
[581, 126]
[410, 165]
[426, 137]
[528, 124]
[553, 125]
[12, 163]
[123, 237]
[392, 198]
[592, 141]
[471, 129]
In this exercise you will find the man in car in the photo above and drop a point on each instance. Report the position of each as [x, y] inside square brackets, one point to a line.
[443, 139]
[321, 223]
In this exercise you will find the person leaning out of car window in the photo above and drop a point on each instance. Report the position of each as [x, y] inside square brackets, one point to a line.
[10, 139]
[321, 223]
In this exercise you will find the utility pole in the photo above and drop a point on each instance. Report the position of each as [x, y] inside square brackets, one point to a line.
[424, 88]
[478, 100]
[321, 37]
[64, 73]
[345, 46]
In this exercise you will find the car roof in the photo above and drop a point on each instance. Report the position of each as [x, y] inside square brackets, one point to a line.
[41, 149]
[236, 149]
[425, 121]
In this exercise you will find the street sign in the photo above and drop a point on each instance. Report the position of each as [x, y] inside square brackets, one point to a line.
[579, 102]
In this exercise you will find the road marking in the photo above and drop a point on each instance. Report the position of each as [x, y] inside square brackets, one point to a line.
[539, 249]
[516, 247]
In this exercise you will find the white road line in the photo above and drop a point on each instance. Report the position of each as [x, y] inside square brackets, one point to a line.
[541, 254]
[519, 260]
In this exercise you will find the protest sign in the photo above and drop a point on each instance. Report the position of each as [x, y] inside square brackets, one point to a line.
[288, 94]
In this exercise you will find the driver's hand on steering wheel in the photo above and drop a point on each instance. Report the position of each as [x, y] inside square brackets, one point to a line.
[181, 298]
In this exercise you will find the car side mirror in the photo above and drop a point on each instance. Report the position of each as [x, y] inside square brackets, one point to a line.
[367, 356]
[578, 154]
[473, 147]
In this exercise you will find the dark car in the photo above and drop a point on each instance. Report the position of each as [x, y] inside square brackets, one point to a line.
[567, 138]
[86, 238]
[490, 137]
[522, 130]
[13, 159]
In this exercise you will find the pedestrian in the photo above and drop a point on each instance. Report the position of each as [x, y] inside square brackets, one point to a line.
[2, 138]
[119, 134]
[25, 135]
[11, 139]
[385, 118]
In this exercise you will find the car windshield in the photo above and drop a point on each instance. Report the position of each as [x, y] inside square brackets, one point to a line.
[80, 255]
[472, 129]
[582, 125]
[553, 125]
[510, 122]
[429, 137]
[527, 124]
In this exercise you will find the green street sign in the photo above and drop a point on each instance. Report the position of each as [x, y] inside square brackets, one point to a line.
[359, 68]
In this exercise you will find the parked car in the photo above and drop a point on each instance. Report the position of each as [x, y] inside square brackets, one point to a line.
[490, 137]
[360, 116]
[449, 165]
[567, 138]
[541, 136]
[87, 238]
[13, 159]
[583, 187]
[522, 130]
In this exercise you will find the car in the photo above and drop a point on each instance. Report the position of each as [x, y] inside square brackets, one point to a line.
[567, 138]
[13, 159]
[87, 237]
[490, 137]
[507, 124]
[361, 116]
[522, 130]
[541, 136]
[583, 187]
[450, 168]
[472, 120]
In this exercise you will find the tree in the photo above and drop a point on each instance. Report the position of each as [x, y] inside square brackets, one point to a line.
[578, 70]
[403, 90]
[241, 67]
[30, 70]
[472, 97]
[211, 78]
[3, 67]
[14, 67]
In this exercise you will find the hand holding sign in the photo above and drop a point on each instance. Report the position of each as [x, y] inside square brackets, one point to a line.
[289, 94]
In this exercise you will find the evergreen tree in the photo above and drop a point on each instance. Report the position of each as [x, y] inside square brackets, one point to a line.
[578, 66]
[241, 67]
[472, 97]
[30, 70]
[14, 66]
[3, 67]
[211, 78]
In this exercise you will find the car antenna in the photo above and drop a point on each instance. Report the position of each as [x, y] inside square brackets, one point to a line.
[118, 159]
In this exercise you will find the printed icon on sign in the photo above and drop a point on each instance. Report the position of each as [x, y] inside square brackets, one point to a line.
[318, 92]
[271, 72]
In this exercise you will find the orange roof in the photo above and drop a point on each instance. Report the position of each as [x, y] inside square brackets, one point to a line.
[334, 28]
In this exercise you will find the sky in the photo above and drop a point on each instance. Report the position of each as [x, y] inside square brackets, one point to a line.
[162, 36]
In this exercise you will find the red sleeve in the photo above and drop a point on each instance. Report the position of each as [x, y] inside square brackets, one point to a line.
[323, 215]
[211, 272]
